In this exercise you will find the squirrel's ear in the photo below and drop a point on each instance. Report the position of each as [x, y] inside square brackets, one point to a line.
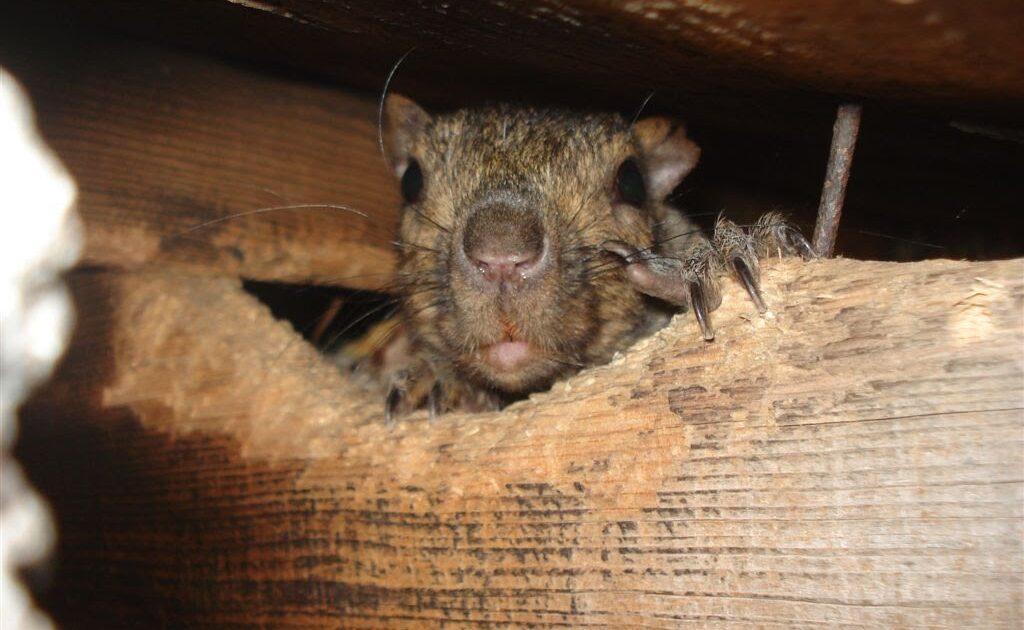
[402, 121]
[668, 153]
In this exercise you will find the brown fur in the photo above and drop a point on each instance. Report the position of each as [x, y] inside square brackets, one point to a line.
[559, 168]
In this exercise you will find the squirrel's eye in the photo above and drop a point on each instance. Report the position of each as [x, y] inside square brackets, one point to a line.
[412, 182]
[630, 184]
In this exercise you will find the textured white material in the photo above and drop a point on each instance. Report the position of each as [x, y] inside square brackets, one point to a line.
[39, 238]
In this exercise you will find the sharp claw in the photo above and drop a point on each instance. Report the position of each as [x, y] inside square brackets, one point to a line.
[800, 245]
[749, 282]
[391, 403]
[700, 309]
[772, 232]
[434, 401]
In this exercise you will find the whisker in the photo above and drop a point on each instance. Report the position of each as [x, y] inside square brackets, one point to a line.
[640, 110]
[440, 301]
[396, 280]
[274, 193]
[890, 237]
[584, 228]
[422, 289]
[389, 333]
[574, 364]
[403, 245]
[426, 218]
[370, 313]
[584, 202]
[297, 206]
[398, 322]
[342, 282]
[597, 270]
[380, 105]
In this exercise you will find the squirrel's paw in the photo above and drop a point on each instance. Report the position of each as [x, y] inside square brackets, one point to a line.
[692, 281]
[419, 386]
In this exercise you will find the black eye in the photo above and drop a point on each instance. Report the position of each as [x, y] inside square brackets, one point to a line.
[412, 182]
[630, 184]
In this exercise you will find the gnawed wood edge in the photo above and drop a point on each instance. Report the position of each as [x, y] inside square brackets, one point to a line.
[854, 459]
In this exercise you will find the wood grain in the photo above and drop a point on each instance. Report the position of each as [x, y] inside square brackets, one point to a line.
[854, 460]
[163, 142]
[195, 163]
[704, 54]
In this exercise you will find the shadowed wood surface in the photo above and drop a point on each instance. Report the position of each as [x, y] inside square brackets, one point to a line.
[212, 167]
[854, 460]
[163, 142]
[710, 54]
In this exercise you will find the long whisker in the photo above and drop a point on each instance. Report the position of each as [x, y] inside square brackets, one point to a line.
[388, 285]
[426, 218]
[404, 245]
[297, 206]
[574, 364]
[640, 110]
[584, 202]
[395, 305]
[380, 106]
[584, 228]
[674, 237]
[890, 237]
[389, 332]
[419, 279]
[399, 321]
[341, 282]
[274, 193]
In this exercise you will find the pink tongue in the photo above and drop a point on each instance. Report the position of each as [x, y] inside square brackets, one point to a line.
[506, 355]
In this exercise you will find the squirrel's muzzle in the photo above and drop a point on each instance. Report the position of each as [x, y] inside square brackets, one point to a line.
[504, 246]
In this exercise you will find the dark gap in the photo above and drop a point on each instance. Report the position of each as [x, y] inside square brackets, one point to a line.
[307, 308]
[919, 188]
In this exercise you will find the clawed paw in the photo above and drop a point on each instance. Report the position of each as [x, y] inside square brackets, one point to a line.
[406, 393]
[692, 279]
[420, 387]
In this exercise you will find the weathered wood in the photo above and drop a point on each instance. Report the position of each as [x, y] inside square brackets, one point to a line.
[854, 460]
[195, 163]
[702, 53]
[236, 132]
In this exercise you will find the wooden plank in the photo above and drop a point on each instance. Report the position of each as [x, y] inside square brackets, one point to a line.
[854, 460]
[921, 183]
[704, 54]
[165, 147]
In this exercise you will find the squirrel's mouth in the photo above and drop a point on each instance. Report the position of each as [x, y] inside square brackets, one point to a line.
[510, 352]
[508, 356]
[514, 363]
[512, 360]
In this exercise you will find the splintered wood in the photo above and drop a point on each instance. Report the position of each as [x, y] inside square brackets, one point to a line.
[852, 460]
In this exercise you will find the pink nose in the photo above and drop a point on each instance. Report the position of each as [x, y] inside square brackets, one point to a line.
[504, 244]
[499, 267]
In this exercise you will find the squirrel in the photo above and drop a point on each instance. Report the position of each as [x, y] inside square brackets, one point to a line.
[534, 243]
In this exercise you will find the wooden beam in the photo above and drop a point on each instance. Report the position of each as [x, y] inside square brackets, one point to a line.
[853, 460]
[179, 161]
[177, 141]
[703, 54]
